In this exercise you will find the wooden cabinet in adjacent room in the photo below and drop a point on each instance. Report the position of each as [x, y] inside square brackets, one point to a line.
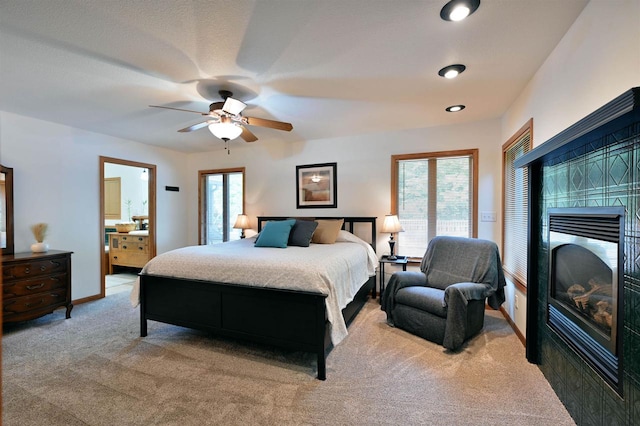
[35, 284]
[128, 250]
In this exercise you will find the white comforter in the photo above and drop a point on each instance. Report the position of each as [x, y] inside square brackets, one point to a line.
[336, 270]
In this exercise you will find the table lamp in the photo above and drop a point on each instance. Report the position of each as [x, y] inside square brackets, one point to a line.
[391, 225]
[242, 222]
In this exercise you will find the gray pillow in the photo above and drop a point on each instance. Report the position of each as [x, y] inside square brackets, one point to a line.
[302, 232]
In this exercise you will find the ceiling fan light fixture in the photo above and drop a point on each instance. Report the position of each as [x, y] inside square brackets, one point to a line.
[452, 71]
[457, 10]
[455, 108]
[225, 130]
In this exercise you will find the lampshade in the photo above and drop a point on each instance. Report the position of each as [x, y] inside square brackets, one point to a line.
[233, 106]
[242, 222]
[391, 224]
[225, 130]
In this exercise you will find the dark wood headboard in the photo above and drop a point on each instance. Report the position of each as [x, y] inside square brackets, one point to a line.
[350, 224]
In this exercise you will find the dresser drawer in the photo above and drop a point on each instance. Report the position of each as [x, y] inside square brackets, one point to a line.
[129, 258]
[134, 239]
[34, 285]
[131, 247]
[33, 269]
[36, 301]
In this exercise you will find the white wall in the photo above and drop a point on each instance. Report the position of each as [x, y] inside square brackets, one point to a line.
[596, 61]
[363, 171]
[57, 181]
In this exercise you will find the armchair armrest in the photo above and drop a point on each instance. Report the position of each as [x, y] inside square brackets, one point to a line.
[468, 291]
[408, 279]
[397, 281]
[456, 300]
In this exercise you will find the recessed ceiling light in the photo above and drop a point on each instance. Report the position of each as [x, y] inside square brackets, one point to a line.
[455, 108]
[457, 10]
[451, 71]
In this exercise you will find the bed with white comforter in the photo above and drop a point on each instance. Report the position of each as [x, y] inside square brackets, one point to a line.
[335, 270]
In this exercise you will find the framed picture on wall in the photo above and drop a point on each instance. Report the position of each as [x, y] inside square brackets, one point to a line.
[316, 186]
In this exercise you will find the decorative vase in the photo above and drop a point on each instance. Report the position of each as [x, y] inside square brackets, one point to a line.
[39, 247]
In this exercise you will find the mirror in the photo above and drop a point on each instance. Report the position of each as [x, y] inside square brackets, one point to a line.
[6, 209]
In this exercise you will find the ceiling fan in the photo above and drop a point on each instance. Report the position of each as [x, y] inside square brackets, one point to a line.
[226, 122]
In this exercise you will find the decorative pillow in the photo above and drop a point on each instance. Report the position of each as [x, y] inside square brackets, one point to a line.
[275, 234]
[327, 231]
[301, 233]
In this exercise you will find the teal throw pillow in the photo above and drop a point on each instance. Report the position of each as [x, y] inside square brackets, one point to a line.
[275, 234]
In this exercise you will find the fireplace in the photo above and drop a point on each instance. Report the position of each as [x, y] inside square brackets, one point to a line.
[591, 164]
[584, 304]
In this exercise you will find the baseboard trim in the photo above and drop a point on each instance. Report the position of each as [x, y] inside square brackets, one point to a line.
[87, 299]
[513, 326]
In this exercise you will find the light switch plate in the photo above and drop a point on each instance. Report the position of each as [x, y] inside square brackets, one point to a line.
[487, 216]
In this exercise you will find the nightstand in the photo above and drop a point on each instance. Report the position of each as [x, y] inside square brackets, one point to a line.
[400, 260]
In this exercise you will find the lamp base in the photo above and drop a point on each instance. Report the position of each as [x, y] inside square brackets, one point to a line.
[392, 245]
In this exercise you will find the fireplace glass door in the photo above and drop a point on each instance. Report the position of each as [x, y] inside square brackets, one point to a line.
[584, 284]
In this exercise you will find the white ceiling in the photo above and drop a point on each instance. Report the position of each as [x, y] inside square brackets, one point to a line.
[329, 67]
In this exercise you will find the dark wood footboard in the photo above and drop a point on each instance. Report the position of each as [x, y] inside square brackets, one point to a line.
[289, 319]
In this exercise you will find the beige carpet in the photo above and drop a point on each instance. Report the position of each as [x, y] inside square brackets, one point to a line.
[94, 369]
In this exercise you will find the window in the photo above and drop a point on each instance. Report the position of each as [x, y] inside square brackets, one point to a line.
[434, 194]
[515, 208]
[221, 201]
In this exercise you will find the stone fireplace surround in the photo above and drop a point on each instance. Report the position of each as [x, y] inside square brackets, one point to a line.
[594, 163]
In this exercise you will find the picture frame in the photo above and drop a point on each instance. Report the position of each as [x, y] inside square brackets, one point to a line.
[317, 186]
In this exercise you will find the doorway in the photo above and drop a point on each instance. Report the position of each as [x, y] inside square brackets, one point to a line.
[127, 220]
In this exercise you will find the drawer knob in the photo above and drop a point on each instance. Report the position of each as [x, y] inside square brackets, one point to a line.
[124, 247]
[27, 270]
[35, 287]
[140, 248]
[43, 268]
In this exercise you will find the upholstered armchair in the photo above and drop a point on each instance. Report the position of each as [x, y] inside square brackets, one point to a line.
[444, 302]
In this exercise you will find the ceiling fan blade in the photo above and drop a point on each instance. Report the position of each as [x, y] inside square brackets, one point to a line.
[263, 122]
[194, 127]
[247, 135]
[233, 106]
[179, 109]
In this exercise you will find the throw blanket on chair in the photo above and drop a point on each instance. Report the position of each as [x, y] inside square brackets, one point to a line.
[466, 269]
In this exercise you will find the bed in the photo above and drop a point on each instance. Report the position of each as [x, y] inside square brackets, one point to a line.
[300, 315]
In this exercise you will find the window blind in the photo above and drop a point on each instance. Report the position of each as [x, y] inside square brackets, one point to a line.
[516, 182]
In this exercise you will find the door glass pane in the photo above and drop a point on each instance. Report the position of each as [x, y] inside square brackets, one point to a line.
[454, 197]
[434, 198]
[234, 199]
[214, 219]
[413, 209]
[223, 204]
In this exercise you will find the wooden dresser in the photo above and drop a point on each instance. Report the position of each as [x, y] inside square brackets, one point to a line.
[128, 250]
[35, 284]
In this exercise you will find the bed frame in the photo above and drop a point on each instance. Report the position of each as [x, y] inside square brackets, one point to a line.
[295, 320]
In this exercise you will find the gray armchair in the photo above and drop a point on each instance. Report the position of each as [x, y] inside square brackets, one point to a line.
[445, 301]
